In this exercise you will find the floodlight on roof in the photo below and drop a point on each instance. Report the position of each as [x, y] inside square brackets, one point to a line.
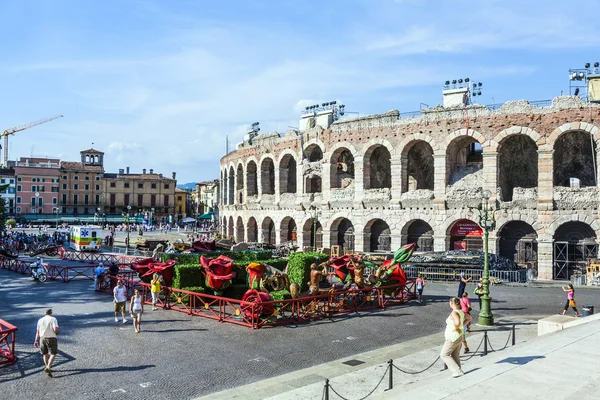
[596, 64]
[587, 65]
[467, 80]
[576, 91]
[447, 83]
[460, 81]
[454, 81]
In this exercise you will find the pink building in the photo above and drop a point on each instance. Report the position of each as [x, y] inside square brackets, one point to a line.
[37, 185]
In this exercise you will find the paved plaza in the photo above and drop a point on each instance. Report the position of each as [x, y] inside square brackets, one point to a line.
[181, 357]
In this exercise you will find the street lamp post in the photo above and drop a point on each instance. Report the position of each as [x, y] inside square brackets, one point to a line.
[55, 210]
[126, 216]
[315, 216]
[487, 221]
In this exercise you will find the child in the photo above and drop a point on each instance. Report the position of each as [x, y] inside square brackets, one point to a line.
[465, 306]
[420, 285]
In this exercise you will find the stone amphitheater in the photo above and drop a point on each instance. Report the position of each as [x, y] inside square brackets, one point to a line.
[374, 183]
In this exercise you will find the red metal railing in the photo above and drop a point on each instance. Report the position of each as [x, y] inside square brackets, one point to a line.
[7, 342]
[271, 313]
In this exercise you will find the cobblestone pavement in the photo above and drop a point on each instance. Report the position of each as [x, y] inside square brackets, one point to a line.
[180, 357]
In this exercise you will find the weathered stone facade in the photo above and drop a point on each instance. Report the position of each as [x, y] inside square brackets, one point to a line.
[378, 182]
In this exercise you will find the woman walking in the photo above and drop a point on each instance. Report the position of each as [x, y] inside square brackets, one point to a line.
[155, 285]
[454, 333]
[570, 299]
[462, 284]
[420, 285]
[136, 308]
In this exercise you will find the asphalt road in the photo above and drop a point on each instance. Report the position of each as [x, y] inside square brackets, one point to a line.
[181, 357]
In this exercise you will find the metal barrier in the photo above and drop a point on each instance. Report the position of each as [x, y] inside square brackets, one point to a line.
[7, 342]
[95, 258]
[20, 266]
[453, 274]
[272, 313]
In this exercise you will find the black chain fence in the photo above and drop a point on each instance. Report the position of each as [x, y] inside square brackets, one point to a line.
[389, 371]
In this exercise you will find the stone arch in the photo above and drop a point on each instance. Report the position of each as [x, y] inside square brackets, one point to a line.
[251, 178]
[312, 235]
[342, 233]
[239, 183]
[575, 156]
[464, 234]
[268, 231]
[313, 142]
[575, 242]
[267, 176]
[419, 232]
[313, 152]
[231, 186]
[377, 166]
[225, 186]
[464, 155]
[224, 227]
[377, 236]
[517, 167]
[342, 168]
[288, 172]
[417, 165]
[517, 241]
[515, 130]
[288, 230]
[230, 231]
[252, 230]
[239, 230]
[586, 219]
[549, 142]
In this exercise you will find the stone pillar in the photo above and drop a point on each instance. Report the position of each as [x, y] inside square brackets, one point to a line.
[261, 238]
[326, 181]
[259, 182]
[326, 238]
[493, 242]
[396, 240]
[439, 181]
[396, 190]
[439, 243]
[359, 241]
[359, 188]
[545, 257]
[545, 180]
[490, 168]
[277, 185]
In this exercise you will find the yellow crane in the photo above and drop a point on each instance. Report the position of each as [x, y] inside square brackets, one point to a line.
[19, 128]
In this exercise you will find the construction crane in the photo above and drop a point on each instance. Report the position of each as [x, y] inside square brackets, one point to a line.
[19, 128]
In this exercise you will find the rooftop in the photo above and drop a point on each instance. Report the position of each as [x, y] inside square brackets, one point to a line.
[77, 166]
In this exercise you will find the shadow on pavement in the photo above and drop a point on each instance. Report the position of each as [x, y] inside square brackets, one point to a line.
[70, 372]
[171, 330]
[519, 360]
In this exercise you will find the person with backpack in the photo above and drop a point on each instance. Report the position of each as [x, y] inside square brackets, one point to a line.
[420, 282]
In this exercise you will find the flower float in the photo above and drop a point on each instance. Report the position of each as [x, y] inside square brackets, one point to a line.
[253, 304]
[148, 266]
[218, 272]
[391, 270]
[255, 273]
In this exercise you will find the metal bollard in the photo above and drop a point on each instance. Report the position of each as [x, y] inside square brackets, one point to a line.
[485, 343]
[391, 378]
[514, 339]
[326, 389]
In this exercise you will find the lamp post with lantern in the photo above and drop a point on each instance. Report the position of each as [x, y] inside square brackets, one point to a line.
[126, 216]
[487, 222]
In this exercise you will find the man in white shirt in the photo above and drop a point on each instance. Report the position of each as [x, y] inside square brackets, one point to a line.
[120, 298]
[47, 329]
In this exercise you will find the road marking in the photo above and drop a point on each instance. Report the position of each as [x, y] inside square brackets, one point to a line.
[258, 359]
[410, 323]
[145, 384]
[120, 390]
[336, 341]
[350, 338]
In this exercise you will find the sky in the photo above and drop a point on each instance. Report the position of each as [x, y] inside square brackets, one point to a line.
[161, 84]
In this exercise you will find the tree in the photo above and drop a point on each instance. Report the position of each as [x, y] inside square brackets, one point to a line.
[3, 212]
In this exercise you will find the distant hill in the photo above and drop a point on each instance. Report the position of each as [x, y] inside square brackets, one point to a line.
[187, 186]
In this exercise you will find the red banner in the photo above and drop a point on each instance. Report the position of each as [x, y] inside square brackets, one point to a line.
[464, 227]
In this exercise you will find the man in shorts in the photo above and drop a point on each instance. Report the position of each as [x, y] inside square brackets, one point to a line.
[47, 329]
[120, 298]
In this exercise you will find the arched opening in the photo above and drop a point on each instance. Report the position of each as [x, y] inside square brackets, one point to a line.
[239, 183]
[313, 153]
[420, 233]
[466, 235]
[378, 168]
[517, 241]
[287, 174]
[239, 231]
[574, 244]
[231, 187]
[418, 167]
[251, 179]
[288, 230]
[230, 232]
[224, 227]
[517, 167]
[464, 156]
[267, 176]
[268, 231]
[313, 235]
[378, 236]
[252, 230]
[342, 234]
[313, 184]
[225, 192]
[342, 169]
[574, 155]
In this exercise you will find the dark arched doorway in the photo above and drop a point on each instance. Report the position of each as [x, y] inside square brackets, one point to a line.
[574, 244]
[252, 230]
[268, 231]
[420, 233]
[517, 241]
[378, 235]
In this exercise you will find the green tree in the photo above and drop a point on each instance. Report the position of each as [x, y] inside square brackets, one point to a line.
[3, 212]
